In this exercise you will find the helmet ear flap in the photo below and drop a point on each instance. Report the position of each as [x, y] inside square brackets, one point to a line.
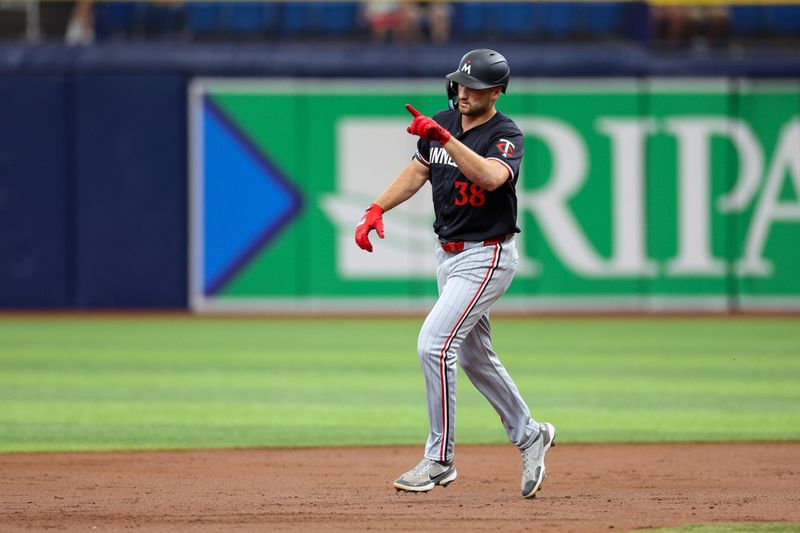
[452, 95]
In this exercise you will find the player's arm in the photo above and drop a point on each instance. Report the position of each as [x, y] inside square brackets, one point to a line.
[404, 186]
[487, 173]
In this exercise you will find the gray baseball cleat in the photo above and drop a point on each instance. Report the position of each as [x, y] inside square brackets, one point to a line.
[426, 475]
[533, 472]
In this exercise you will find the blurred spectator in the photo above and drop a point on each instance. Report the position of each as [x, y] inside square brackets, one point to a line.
[80, 29]
[405, 20]
[438, 16]
[382, 18]
[697, 26]
[390, 21]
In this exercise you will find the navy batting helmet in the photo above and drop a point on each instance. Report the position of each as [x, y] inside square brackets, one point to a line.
[479, 69]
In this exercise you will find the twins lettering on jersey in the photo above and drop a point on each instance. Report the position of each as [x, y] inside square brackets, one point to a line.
[440, 155]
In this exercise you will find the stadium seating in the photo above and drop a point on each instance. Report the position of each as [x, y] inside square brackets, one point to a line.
[601, 18]
[248, 18]
[783, 19]
[338, 18]
[203, 17]
[558, 19]
[113, 19]
[516, 20]
[469, 19]
[536, 21]
[746, 20]
[297, 18]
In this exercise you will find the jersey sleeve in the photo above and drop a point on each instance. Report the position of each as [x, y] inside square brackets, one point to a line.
[507, 148]
[423, 151]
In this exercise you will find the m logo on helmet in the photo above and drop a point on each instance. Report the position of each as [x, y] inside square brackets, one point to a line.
[467, 67]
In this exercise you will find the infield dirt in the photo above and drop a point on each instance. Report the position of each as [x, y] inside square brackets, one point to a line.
[600, 487]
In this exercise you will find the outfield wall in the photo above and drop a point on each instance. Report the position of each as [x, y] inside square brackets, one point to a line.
[648, 194]
[93, 190]
[95, 171]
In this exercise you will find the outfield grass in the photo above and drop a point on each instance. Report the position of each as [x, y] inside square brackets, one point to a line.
[749, 527]
[165, 382]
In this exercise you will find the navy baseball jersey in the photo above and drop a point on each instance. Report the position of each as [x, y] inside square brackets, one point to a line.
[464, 210]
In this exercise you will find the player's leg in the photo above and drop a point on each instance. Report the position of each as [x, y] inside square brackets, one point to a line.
[474, 280]
[429, 472]
[484, 369]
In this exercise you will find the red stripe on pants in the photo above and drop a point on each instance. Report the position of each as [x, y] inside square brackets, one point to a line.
[448, 342]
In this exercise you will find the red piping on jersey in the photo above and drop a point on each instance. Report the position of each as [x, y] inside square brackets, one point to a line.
[449, 341]
[508, 167]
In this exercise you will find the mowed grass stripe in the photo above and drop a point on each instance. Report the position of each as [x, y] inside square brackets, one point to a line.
[164, 382]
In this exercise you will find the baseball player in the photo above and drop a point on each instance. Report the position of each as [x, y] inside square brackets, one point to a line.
[471, 156]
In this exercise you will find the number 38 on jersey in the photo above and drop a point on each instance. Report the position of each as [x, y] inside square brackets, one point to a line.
[469, 193]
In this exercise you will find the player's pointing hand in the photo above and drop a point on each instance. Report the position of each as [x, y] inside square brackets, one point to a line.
[372, 219]
[413, 111]
[426, 127]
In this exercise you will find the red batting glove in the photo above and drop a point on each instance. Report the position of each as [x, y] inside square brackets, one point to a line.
[372, 219]
[426, 127]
